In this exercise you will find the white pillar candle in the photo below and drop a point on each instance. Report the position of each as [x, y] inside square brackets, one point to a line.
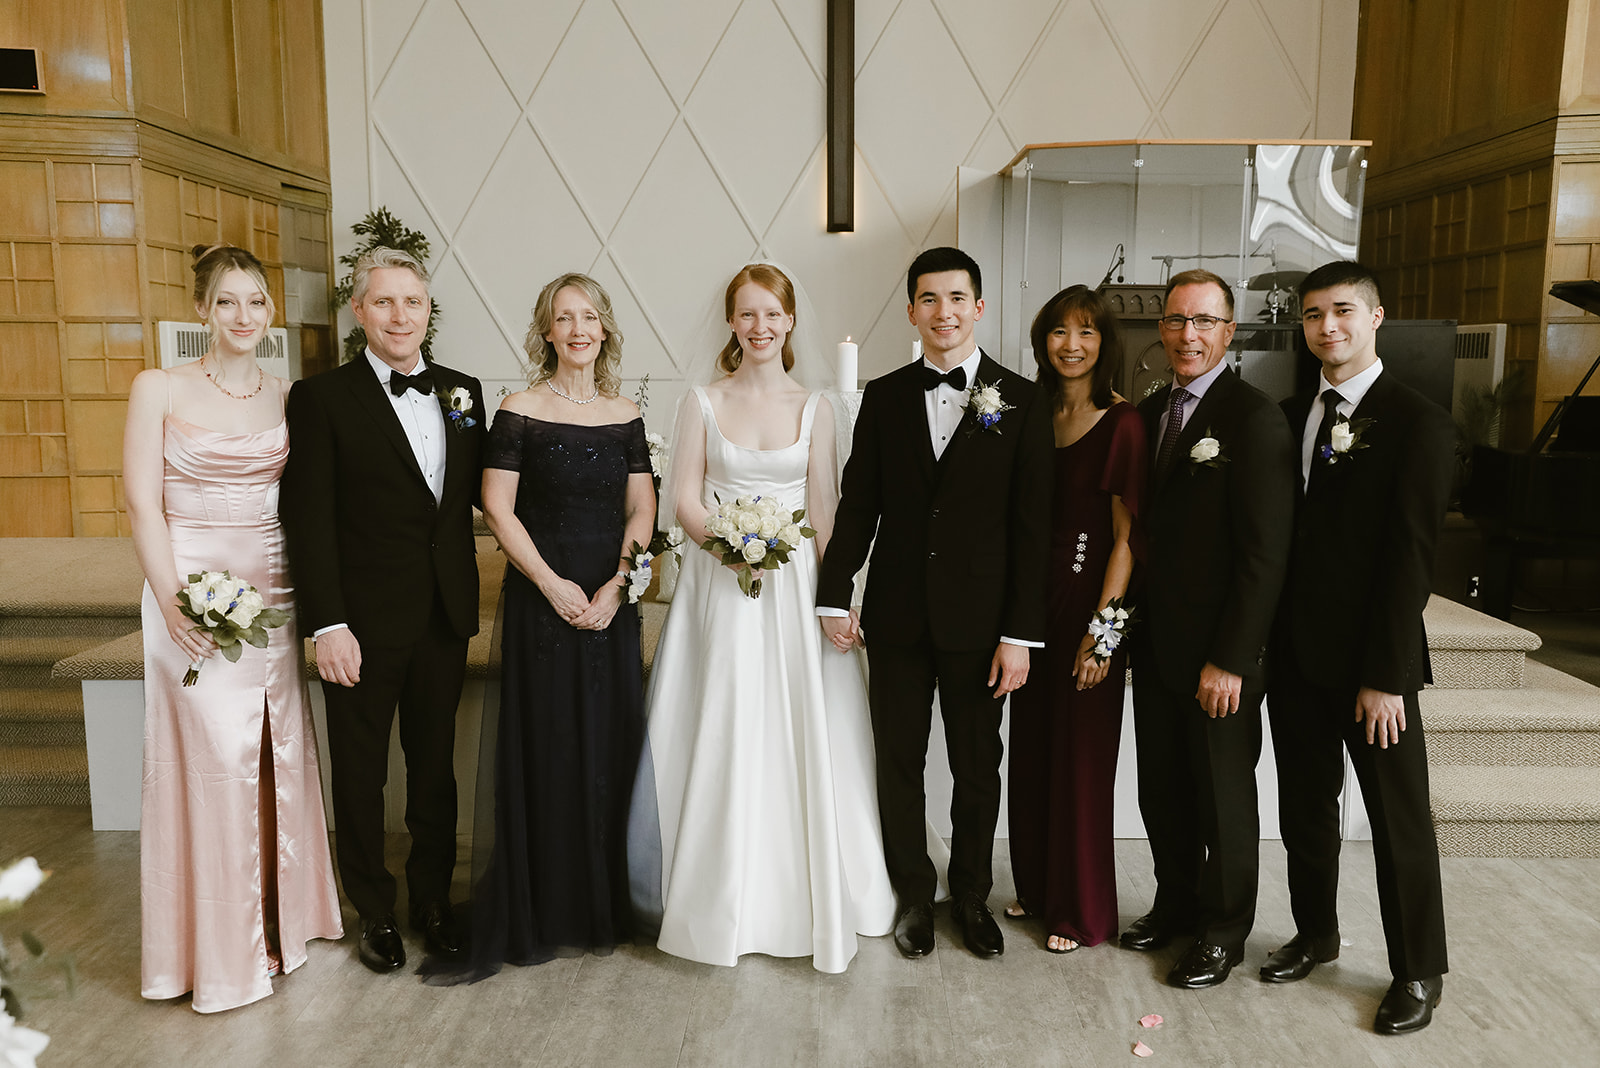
[844, 378]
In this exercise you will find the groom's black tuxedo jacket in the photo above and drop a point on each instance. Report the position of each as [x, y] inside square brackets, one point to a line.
[1217, 537]
[368, 544]
[963, 541]
[1364, 534]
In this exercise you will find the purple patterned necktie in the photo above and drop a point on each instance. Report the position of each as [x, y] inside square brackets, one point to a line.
[1169, 439]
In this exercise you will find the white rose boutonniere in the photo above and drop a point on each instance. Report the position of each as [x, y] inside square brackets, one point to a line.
[457, 403]
[1207, 452]
[986, 405]
[1345, 439]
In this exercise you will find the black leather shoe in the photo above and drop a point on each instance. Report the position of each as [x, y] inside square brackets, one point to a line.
[1408, 1006]
[913, 931]
[381, 948]
[1295, 959]
[976, 923]
[1150, 931]
[436, 923]
[1204, 965]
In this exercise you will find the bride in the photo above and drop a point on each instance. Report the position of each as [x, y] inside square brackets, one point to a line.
[757, 779]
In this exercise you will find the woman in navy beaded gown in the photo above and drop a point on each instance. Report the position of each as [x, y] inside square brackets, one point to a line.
[566, 490]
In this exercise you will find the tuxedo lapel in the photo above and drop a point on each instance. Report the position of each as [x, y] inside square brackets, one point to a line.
[916, 420]
[988, 374]
[368, 392]
[1297, 410]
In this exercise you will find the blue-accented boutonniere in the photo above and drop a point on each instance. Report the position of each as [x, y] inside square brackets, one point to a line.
[457, 403]
[986, 406]
[1207, 452]
[1346, 439]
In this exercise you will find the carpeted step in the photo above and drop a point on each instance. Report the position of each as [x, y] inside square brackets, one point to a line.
[1473, 651]
[108, 625]
[25, 662]
[43, 717]
[1554, 720]
[45, 776]
[1499, 811]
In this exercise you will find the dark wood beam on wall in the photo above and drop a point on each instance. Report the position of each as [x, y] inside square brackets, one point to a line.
[841, 116]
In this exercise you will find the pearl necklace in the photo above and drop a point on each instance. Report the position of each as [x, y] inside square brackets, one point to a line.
[558, 391]
[261, 380]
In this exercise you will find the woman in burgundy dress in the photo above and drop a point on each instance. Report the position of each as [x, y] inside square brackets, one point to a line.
[1066, 724]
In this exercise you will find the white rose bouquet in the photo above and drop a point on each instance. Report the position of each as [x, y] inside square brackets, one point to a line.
[19, 1046]
[230, 611]
[755, 531]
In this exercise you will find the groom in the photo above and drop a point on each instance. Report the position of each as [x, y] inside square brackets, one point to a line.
[377, 510]
[954, 482]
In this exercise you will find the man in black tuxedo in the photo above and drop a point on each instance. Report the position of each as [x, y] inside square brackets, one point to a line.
[1217, 523]
[384, 467]
[955, 485]
[1349, 652]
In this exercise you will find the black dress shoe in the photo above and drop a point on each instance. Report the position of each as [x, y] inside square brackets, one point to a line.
[436, 923]
[1295, 959]
[913, 931]
[1408, 1006]
[381, 948]
[978, 929]
[1204, 965]
[1150, 931]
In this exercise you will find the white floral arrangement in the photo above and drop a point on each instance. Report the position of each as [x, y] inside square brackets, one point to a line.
[1345, 438]
[1207, 452]
[658, 455]
[457, 403]
[986, 405]
[755, 531]
[231, 611]
[19, 1046]
[638, 572]
[1108, 627]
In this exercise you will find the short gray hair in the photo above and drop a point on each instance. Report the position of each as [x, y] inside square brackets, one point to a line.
[382, 257]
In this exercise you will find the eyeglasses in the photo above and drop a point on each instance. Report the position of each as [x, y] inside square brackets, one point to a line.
[1203, 323]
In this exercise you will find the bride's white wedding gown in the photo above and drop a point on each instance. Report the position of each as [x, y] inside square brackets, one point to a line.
[758, 768]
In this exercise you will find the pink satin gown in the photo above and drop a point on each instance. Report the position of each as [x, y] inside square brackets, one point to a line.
[201, 855]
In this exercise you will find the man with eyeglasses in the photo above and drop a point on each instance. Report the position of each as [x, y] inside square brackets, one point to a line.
[1217, 522]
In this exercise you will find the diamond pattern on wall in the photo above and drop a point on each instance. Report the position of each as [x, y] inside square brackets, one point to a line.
[660, 144]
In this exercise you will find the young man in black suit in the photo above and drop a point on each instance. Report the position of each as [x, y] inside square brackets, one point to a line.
[954, 482]
[1349, 653]
[1216, 521]
[385, 463]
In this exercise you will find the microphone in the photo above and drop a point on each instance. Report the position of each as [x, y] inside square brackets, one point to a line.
[1118, 258]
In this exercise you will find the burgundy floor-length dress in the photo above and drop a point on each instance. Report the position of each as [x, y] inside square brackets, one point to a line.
[200, 849]
[1063, 753]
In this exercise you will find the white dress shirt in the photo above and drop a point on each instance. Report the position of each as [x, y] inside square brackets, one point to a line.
[1352, 390]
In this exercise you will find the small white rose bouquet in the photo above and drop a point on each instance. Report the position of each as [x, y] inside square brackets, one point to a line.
[19, 1046]
[230, 611]
[457, 403]
[639, 572]
[1207, 452]
[756, 531]
[1109, 627]
[1345, 439]
[986, 405]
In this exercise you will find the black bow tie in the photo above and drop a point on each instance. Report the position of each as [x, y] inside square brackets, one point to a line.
[956, 379]
[422, 382]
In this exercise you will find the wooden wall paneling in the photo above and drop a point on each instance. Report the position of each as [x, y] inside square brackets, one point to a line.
[103, 358]
[24, 199]
[99, 506]
[99, 280]
[35, 508]
[83, 56]
[30, 359]
[258, 39]
[160, 58]
[306, 98]
[27, 283]
[211, 79]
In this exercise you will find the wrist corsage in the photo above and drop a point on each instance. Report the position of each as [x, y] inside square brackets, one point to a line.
[457, 403]
[1108, 627]
[1207, 452]
[636, 576]
[1345, 439]
[986, 405]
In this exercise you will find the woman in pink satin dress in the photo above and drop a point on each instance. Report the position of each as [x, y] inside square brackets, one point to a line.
[235, 874]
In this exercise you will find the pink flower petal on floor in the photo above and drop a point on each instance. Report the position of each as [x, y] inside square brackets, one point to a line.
[1142, 1050]
[1150, 1021]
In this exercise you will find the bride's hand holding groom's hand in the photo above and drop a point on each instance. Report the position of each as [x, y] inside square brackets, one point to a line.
[842, 631]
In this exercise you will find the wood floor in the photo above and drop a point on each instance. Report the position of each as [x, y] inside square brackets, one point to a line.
[1524, 989]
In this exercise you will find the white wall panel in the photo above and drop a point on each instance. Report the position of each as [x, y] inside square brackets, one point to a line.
[661, 143]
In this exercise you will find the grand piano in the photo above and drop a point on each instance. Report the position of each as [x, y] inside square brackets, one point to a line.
[1545, 502]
